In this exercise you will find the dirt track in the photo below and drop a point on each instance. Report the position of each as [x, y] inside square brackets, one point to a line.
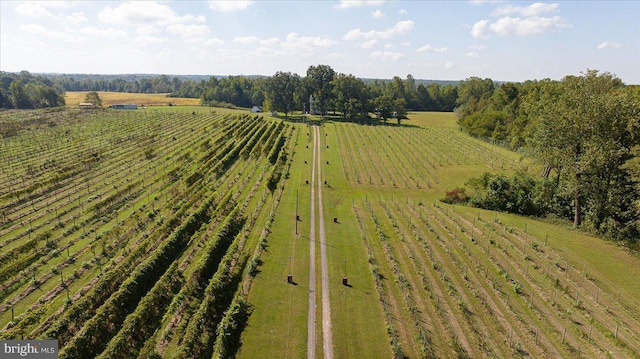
[316, 180]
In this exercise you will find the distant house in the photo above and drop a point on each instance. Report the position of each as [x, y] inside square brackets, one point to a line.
[86, 105]
[124, 107]
[256, 109]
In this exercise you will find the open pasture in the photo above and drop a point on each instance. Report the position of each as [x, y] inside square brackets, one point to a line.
[152, 233]
[73, 98]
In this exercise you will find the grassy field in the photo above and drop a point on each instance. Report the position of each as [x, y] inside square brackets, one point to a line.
[184, 218]
[73, 98]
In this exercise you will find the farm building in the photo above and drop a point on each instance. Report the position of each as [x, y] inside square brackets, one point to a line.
[256, 109]
[86, 105]
[124, 107]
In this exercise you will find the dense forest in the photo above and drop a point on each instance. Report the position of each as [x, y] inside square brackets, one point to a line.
[582, 132]
[27, 91]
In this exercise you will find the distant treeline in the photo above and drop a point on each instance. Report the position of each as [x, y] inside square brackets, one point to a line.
[242, 91]
[26, 91]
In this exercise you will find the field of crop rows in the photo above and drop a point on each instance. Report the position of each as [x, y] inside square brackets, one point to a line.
[135, 232]
[406, 157]
[192, 234]
[457, 284]
[474, 287]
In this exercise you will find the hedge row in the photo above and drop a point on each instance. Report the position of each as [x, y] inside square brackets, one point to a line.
[141, 324]
[90, 340]
[84, 308]
[200, 333]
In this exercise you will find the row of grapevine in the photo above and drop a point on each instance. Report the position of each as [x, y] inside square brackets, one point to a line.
[67, 237]
[402, 157]
[118, 263]
[461, 278]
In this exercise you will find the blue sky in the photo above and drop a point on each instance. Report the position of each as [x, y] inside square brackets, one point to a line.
[443, 40]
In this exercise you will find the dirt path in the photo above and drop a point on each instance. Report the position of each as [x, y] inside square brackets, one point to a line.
[316, 180]
[327, 336]
[311, 318]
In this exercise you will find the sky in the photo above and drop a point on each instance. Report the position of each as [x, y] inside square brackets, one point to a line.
[436, 40]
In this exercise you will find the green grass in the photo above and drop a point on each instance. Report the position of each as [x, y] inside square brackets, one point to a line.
[273, 300]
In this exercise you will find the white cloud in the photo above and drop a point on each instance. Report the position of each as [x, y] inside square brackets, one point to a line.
[403, 12]
[294, 42]
[76, 18]
[368, 44]
[144, 13]
[150, 40]
[479, 47]
[531, 10]
[337, 55]
[32, 10]
[432, 49]
[346, 4]
[57, 4]
[230, 5]
[507, 25]
[480, 29]
[401, 27]
[272, 41]
[268, 51]
[377, 14]
[449, 65]
[478, 2]
[246, 40]
[214, 41]
[109, 33]
[149, 30]
[422, 65]
[473, 55]
[389, 46]
[530, 26]
[610, 44]
[189, 32]
[40, 30]
[387, 55]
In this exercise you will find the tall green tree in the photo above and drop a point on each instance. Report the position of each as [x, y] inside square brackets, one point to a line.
[473, 93]
[19, 96]
[633, 167]
[320, 83]
[94, 98]
[580, 129]
[281, 91]
[350, 96]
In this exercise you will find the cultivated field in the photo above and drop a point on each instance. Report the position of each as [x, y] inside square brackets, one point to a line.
[172, 233]
[73, 98]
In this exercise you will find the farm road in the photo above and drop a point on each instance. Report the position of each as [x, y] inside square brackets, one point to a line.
[316, 180]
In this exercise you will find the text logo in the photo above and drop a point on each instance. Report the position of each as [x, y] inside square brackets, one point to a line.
[41, 349]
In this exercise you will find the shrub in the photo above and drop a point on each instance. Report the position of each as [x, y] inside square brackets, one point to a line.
[520, 194]
[456, 195]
